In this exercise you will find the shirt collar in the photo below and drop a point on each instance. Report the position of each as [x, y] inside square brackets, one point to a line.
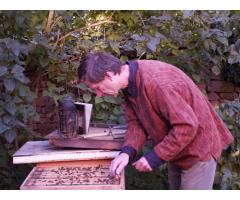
[131, 90]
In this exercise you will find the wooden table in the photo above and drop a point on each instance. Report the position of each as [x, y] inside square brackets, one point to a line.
[67, 168]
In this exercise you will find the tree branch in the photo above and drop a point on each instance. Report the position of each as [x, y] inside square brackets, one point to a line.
[81, 29]
[49, 22]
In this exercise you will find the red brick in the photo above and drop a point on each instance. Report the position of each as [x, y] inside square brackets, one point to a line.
[39, 102]
[39, 109]
[237, 89]
[228, 96]
[220, 86]
[212, 96]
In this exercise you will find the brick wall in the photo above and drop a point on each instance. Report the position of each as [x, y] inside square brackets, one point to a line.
[46, 108]
[219, 90]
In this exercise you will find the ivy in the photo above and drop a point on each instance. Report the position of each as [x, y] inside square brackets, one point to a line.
[14, 92]
[228, 176]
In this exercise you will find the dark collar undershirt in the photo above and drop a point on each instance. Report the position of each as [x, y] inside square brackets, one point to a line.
[131, 90]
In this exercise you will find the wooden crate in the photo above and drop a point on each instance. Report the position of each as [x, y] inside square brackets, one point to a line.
[74, 175]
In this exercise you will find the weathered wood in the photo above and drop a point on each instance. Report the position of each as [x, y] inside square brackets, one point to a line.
[42, 151]
[100, 140]
[87, 174]
[87, 143]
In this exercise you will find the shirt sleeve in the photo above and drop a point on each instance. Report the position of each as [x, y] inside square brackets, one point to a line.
[184, 124]
[135, 136]
[153, 159]
[130, 151]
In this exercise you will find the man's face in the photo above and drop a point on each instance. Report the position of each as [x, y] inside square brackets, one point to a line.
[108, 86]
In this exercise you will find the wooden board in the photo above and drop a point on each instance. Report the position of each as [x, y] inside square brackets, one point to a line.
[42, 151]
[103, 141]
[78, 175]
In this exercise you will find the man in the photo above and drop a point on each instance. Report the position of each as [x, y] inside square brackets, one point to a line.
[163, 103]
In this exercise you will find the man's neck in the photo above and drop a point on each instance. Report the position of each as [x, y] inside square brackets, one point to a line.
[125, 72]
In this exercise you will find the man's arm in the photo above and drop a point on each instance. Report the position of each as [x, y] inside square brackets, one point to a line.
[135, 136]
[134, 140]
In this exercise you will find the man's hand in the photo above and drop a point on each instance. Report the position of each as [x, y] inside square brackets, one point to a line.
[142, 165]
[118, 164]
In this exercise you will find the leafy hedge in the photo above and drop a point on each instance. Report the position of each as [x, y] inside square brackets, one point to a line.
[228, 173]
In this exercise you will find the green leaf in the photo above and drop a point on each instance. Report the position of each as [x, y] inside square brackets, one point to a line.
[153, 43]
[11, 108]
[44, 62]
[113, 118]
[236, 185]
[115, 47]
[3, 70]
[121, 120]
[117, 111]
[17, 69]
[22, 91]
[82, 86]
[21, 77]
[141, 49]
[223, 40]
[17, 100]
[13, 45]
[3, 127]
[104, 105]
[196, 77]
[87, 97]
[10, 135]
[113, 36]
[102, 115]
[110, 99]
[7, 119]
[9, 84]
[124, 58]
[98, 100]
[188, 13]
[234, 57]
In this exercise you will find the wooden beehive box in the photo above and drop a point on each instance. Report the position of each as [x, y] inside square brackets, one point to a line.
[77, 175]
[66, 169]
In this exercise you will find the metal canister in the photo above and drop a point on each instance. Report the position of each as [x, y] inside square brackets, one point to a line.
[68, 123]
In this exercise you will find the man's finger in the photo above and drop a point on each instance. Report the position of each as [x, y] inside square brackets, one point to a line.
[120, 168]
[113, 167]
[133, 164]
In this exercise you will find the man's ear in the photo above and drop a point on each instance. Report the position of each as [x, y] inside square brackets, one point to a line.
[110, 75]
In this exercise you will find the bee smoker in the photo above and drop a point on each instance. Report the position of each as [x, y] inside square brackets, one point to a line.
[68, 122]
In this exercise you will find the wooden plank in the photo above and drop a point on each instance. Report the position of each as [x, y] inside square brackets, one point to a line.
[42, 151]
[87, 143]
[103, 141]
[87, 174]
[94, 134]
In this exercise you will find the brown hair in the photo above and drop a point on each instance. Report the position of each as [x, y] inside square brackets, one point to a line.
[95, 65]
